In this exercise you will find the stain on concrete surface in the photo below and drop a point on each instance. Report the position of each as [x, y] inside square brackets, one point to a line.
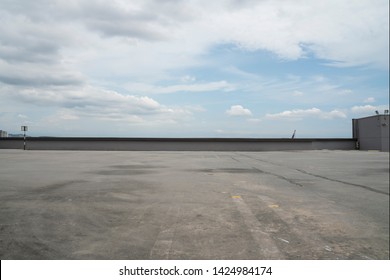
[229, 170]
[130, 169]
[57, 186]
[124, 172]
[136, 166]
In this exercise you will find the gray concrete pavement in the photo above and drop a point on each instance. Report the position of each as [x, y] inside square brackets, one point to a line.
[194, 205]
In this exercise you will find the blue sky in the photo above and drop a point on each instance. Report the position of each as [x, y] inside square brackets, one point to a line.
[192, 68]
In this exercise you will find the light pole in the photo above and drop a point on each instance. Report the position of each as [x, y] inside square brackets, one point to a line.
[24, 128]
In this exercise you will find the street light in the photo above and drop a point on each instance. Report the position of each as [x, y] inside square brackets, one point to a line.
[24, 128]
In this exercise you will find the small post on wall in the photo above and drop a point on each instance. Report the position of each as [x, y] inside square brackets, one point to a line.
[24, 128]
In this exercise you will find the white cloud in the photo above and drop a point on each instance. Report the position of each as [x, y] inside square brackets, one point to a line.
[67, 115]
[106, 40]
[297, 93]
[39, 75]
[368, 109]
[369, 100]
[254, 120]
[95, 103]
[160, 35]
[188, 79]
[195, 87]
[326, 29]
[335, 114]
[238, 111]
[363, 109]
[346, 92]
[300, 114]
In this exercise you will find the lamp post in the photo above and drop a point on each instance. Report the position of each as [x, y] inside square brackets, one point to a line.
[24, 128]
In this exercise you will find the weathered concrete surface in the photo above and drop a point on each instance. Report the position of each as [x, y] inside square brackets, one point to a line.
[194, 205]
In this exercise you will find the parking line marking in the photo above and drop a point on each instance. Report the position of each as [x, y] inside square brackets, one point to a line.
[273, 206]
[162, 246]
[264, 242]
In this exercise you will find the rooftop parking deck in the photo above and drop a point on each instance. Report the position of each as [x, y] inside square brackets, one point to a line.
[194, 205]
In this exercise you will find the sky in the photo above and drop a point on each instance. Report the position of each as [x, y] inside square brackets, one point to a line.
[193, 68]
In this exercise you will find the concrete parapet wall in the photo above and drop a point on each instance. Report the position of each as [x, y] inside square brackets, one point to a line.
[177, 144]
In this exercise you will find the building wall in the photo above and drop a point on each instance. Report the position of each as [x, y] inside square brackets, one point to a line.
[385, 135]
[372, 132]
[176, 144]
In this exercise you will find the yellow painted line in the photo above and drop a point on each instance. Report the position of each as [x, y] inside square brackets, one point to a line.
[273, 206]
[236, 196]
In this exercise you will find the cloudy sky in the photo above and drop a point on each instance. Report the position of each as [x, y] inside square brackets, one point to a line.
[192, 68]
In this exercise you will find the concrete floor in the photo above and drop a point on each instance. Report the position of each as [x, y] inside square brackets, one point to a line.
[194, 205]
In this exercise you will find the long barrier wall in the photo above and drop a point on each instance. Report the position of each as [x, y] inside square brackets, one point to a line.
[176, 144]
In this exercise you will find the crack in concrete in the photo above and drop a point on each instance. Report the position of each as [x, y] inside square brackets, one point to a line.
[270, 173]
[314, 175]
[343, 182]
